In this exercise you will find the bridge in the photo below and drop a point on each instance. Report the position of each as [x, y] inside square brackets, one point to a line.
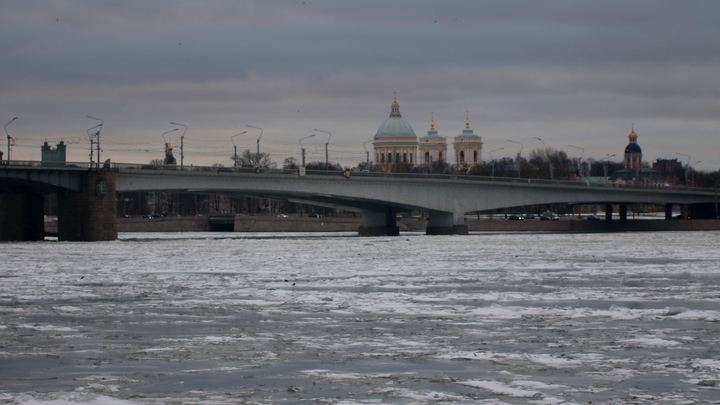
[87, 204]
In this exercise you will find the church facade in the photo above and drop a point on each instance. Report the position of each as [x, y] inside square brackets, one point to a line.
[396, 144]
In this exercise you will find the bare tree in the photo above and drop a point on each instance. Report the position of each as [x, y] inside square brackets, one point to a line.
[290, 163]
[252, 159]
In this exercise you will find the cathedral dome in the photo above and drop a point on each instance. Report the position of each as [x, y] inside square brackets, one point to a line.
[633, 148]
[395, 126]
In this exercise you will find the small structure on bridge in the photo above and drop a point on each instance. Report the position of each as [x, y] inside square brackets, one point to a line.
[50, 155]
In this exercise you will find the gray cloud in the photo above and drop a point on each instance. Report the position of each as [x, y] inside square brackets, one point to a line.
[559, 70]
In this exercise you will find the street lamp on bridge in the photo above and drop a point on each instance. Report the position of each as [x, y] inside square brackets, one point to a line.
[517, 159]
[302, 150]
[692, 173]
[367, 156]
[235, 147]
[97, 134]
[581, 156]
[327, 159]
[8, 137]
[604, 160]
[686, 166]
[493, 160]
[257, 153]
[182, 142]
[547, 156]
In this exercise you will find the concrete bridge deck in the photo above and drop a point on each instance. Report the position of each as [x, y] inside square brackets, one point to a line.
[88, 193]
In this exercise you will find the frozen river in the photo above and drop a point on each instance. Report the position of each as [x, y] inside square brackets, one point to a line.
[490, 318]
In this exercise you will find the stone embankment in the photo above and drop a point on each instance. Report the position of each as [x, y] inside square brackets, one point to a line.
[266, 223]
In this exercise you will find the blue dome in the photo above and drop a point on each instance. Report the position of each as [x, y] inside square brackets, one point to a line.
[395, 126]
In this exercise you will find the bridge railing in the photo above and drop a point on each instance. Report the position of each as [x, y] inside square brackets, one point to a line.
[221, 169]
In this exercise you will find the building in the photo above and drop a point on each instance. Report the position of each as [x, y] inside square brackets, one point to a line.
[633, 152]
[669, 167]
[395, 143]
[468, 146]
[50, 156]
[633, 172]
[433, 147]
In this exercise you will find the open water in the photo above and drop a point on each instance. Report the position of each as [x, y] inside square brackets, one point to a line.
[489, 318]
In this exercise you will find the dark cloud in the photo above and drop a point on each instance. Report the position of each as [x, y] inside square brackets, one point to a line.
[554, 69]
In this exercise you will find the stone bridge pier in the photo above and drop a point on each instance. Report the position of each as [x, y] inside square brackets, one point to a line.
[379, 223]
[86, 213]
[446, 223]
[91, 214]
[384, 223]
[22, 216]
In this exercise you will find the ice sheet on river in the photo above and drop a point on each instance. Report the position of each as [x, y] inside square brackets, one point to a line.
[211, 318]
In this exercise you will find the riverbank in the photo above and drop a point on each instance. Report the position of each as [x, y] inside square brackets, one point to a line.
[291, 223]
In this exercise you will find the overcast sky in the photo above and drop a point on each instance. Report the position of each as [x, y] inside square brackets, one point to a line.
[569, 72]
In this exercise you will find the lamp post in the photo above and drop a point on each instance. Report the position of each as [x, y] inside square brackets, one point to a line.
[367, 156]
[235, 147]
[8, 137]
[581, 156]
[547, 156]
[257, 154]
[97, 134]
[92, 142]
[686, 166]
[327, 160]
[604, 160]
[302, 150]
[692, 173]
[182, 142]
[493, 160]
[517, 159]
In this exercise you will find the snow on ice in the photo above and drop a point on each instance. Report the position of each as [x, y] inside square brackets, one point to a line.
[488, 318]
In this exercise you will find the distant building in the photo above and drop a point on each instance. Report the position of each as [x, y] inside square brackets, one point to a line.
[633, 172]
[396, 145]
[668, 167]
[50, 155]
[433, 147]
[633, 152]
[169, 158]
[468, 146]
[395, 141]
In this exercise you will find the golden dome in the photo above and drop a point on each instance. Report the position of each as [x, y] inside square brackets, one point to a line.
[632, 132]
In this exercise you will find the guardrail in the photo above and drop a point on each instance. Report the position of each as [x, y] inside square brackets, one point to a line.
[223, 169]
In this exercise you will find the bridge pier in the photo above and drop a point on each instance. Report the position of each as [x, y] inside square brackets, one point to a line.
[668, 211]
[623, 212]
[446, 223]
[684, 211]
[608, 212]
[22, 216]
[91, 214]
[379, 223]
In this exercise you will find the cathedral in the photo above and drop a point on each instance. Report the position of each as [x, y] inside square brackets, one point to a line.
[396, 144]
[632, 171]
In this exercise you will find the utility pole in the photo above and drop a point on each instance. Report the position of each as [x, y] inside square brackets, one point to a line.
[182, 142]
[8, 137]
[327, 159]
